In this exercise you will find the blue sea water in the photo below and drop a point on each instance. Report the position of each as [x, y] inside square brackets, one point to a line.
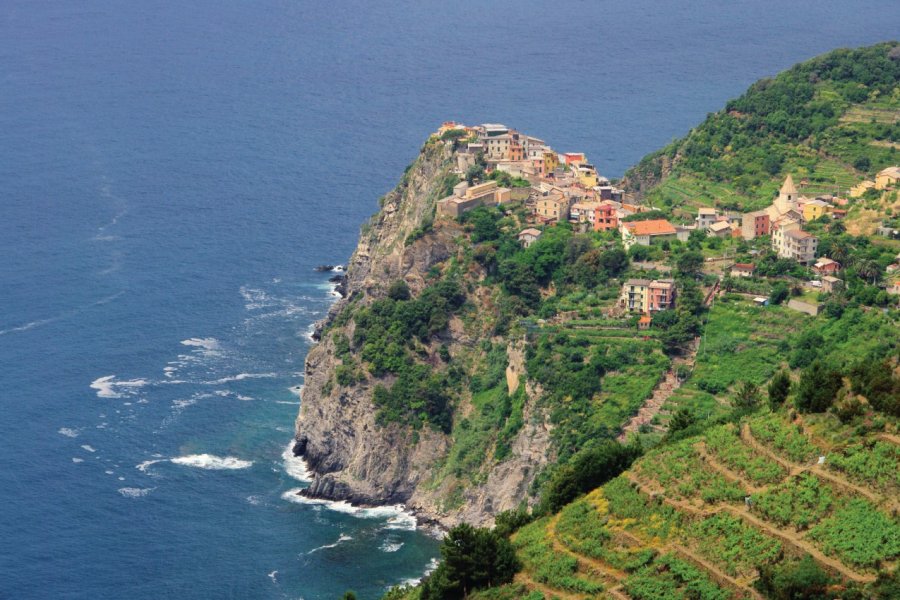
[170, 174]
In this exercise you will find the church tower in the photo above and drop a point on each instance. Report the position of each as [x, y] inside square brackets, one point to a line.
[787, 196]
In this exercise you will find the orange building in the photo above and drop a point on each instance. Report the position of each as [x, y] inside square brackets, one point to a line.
[605, 218]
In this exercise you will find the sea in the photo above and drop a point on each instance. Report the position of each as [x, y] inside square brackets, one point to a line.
[171, 173]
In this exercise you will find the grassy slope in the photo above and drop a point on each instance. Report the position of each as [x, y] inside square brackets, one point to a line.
[831, 121]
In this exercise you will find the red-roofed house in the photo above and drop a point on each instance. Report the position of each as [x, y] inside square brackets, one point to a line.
[647, 232]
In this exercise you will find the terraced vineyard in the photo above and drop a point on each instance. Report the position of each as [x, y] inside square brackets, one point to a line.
[702, 517]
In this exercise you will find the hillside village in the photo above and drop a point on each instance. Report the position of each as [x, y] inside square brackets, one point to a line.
[498, 165]
[681, 384]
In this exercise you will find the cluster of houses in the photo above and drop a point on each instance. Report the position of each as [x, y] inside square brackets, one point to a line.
[886, 179]
[783, 220]
[565, 187]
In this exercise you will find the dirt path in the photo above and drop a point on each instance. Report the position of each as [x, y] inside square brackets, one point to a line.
[718, 575]
[794, 539]
[798, 542]
[890, 437]
[796, 469]
[549, 592]
[592, 564]
[661, 393]
[725, 471]
[669, 383]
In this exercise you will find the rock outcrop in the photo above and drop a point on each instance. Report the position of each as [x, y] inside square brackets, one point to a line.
[353, 457]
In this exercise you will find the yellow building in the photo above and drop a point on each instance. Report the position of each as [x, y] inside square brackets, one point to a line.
[814, 209]
[887, 178]
[551, 161]
[587, 176]
[861, 188]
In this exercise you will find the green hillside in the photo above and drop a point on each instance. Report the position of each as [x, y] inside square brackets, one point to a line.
[732, 450]
[830, 121]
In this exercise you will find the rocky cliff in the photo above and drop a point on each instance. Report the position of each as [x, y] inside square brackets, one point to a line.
[355, 458]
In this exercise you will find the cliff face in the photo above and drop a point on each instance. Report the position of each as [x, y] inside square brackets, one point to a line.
[356, 459]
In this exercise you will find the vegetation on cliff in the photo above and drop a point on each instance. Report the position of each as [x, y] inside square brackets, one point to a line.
[770, 467]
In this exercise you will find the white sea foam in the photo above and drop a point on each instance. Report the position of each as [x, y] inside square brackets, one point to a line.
[397, 516]
[77, 460]
[169, 371]
[147, 464]
[297, 389]
[133, 492]
[212, 462]
[341, 538]
[209, 343]
[69, 432]
[390, 545]
[402, 521]
[286, 402]
[244, 398]
[295, 466]
[241, 377]
[272, 575]
[429, 569]
[88, 448]
[109, 387]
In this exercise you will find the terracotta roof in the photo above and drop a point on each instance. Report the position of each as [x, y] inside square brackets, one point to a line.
[652, 227]
[798, 235]
[637, 282]
[743, 266]
[890, 172]
[645, 319]
[530, 231]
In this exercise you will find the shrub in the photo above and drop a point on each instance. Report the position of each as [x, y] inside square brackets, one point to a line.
[471, 559]
[398, 290]
[818, 388]
[587, 470]
[779, 388]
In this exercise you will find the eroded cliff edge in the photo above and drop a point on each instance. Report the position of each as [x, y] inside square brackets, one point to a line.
[354, 457]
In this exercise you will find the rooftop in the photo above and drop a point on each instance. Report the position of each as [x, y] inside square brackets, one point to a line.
[651, 227]
[799, 235]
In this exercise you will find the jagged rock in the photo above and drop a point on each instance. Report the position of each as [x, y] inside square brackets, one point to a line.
[353, 458]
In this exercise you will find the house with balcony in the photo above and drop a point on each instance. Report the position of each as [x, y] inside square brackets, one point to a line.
[646, 296]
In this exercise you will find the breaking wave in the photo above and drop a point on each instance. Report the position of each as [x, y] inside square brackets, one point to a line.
[342, 538]
[295, 466]
[132, 492]
[212, 462]
[108, 387]
[396, 515]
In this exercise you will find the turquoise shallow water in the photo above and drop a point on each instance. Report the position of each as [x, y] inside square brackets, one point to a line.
[171, 174]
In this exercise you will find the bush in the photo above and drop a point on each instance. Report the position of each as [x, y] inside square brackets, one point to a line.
[818, 388]
[794, 580]
[779, 293]
[471, 559]
[779, 388]
[587, 470]
[399, 290]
